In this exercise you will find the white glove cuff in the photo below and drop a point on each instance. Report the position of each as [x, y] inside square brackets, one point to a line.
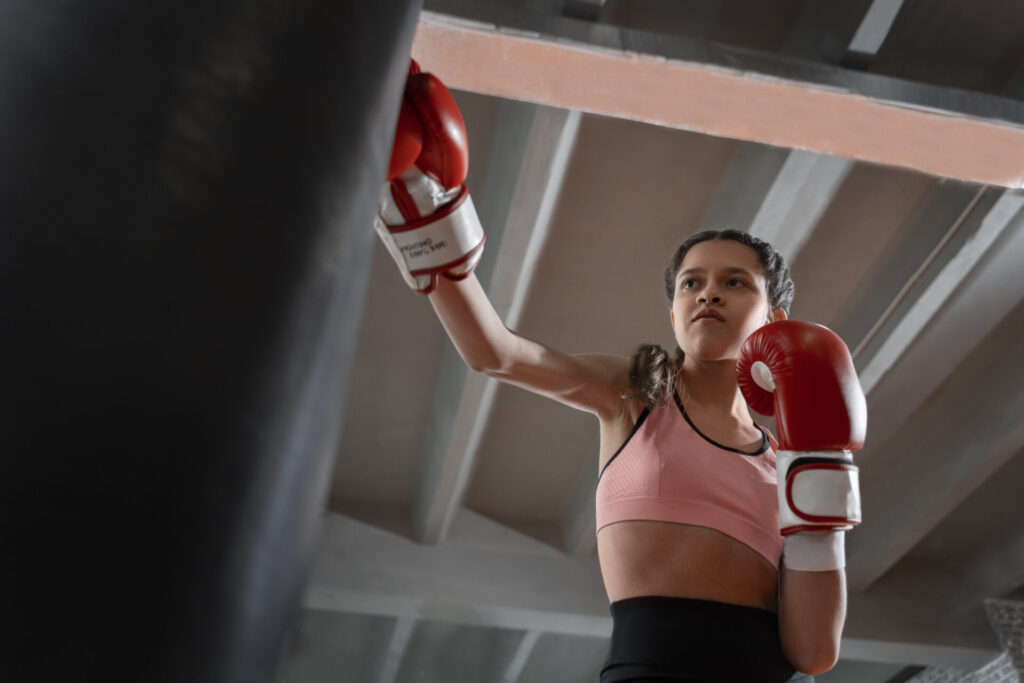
[440, 241]
[815, 551]
[817, 489]
[448, 241]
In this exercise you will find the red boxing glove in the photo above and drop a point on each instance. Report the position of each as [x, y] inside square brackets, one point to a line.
[803, 375]
[426, 218]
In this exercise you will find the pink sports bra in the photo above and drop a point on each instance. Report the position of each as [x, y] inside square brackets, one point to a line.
[668, 471]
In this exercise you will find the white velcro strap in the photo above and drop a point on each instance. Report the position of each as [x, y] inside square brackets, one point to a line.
[389, 242]
[451, 239]
[441, 242]
[817, 489]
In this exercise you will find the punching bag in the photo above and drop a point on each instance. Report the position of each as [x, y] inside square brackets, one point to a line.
[186, 200]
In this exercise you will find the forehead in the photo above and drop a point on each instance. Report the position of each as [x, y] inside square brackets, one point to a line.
[717, 254]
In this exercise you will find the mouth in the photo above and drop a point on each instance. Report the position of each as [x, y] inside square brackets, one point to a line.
[708, 315]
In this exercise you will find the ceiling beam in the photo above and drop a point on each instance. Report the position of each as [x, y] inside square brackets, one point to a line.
[447, 468]
[887, 626]
[725, 92]
[992, 568]
[538, 187]
[999, 570]
[894, 652]
[875, 26]
[487, 575]
[578, 520]
[1005, 216]
[901, 473]
[798, 197]
[807, 182]
[454, 439]
[401, 634]
[821, 31]
[925, 481]
[484, 574]
[752, 171]
[521, 657]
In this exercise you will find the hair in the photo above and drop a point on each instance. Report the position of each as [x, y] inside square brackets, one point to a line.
[652, 372]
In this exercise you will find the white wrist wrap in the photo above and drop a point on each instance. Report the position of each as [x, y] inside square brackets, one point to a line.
[817, 490]
[819, 551]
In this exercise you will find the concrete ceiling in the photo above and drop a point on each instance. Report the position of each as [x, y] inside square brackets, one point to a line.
[459, 541]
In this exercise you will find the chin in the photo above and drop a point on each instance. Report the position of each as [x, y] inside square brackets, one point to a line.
[714, 355]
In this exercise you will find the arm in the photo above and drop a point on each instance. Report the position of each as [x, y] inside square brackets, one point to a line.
[812, 611]
[592, 383]
[428, 224]
[803, 374]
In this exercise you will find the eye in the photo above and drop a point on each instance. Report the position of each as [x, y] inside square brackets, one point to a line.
[687, 283]
[736, 282]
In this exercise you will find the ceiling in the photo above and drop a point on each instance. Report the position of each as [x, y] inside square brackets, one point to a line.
[459, 541]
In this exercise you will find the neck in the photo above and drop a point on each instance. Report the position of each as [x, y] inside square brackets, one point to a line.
[712, 386]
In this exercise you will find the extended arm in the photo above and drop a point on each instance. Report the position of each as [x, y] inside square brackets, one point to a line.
[589, 382]
[428, 223]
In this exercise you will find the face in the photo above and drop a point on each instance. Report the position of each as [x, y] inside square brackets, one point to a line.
[721, 297]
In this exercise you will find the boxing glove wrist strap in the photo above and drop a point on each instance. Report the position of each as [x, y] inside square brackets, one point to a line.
[819, 551]
[818, 490]
[435, 244]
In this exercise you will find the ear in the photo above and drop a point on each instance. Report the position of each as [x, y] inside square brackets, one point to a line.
[777, 314]
[672, 317]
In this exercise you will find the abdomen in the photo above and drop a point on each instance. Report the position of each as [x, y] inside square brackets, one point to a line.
[641, 558]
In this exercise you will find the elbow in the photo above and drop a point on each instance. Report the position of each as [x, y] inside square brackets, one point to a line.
[478, 366]
[815, 661]
[492, 361]
[811, 652]
[818, 667]
[489, 364]
[479, 359]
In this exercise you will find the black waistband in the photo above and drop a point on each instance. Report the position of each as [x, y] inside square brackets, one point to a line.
[684, 639]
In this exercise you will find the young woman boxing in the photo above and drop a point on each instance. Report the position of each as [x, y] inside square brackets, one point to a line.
[721, 549]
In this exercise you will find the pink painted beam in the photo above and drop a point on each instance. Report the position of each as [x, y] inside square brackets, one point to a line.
[720, 101]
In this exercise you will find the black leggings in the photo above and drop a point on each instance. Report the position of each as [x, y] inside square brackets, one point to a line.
[658, 639]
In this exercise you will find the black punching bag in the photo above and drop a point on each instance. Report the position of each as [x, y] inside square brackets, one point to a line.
[186, 195]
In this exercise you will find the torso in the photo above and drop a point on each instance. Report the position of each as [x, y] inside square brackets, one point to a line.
[677, 560]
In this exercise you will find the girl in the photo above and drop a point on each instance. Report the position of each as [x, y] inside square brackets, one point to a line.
[688, 540]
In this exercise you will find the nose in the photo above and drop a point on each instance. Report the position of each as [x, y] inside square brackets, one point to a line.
[709, 294]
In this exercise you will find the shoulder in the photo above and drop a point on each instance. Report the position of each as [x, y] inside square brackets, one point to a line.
[596, 383]
[623, 409]
[613, 371]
